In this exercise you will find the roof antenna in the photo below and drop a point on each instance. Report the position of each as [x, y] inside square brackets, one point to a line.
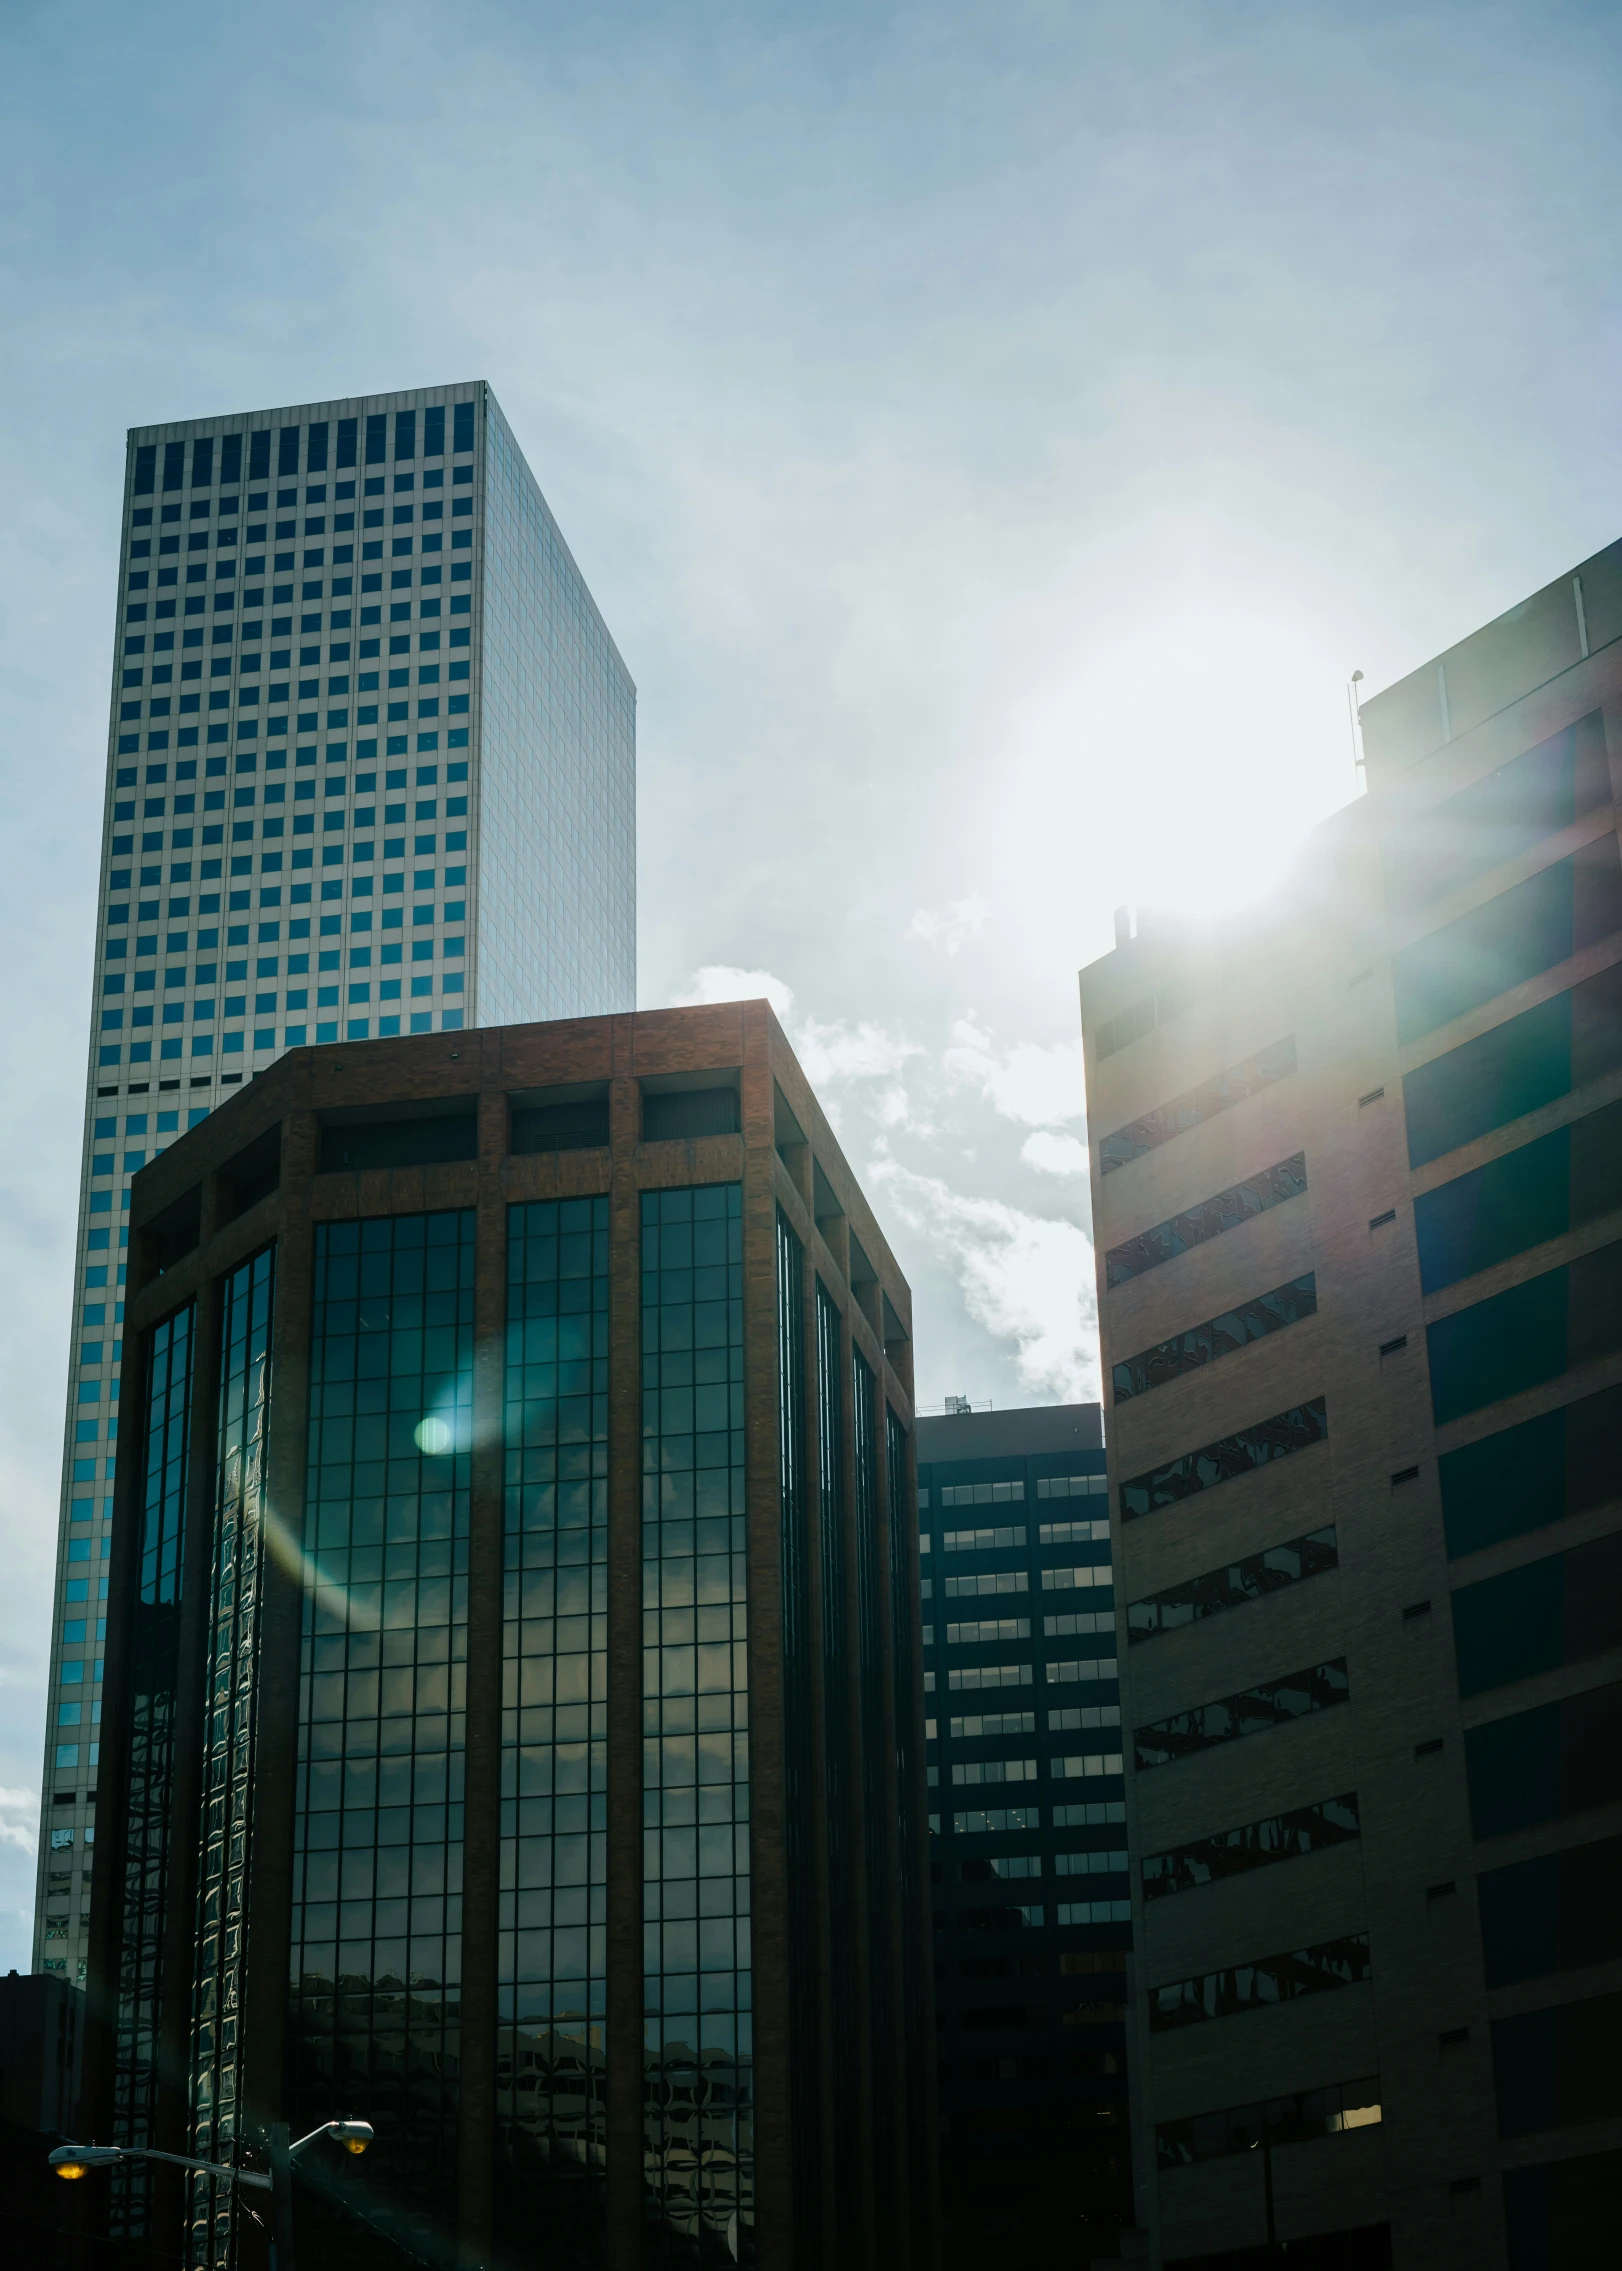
[1355, 721]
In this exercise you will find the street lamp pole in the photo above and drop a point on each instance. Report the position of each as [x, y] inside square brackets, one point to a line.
[74, 2161]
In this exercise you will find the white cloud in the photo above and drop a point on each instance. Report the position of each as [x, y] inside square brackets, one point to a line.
[1035, 1085]
[19, 1818]
[947, 927]
[720, 981]
[830, 1050]
[838, 1051]
[1054, 1154]
[1026, 1278]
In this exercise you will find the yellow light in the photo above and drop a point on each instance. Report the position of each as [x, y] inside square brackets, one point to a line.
[69, 2169]
[354, 2144]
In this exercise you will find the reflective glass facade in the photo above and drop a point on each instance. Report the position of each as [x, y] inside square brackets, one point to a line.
[155, 1652]
[551, 2109]
[376, 2004]
[230, 1710]
[799, 1715]
[697, 1987]
[532, 1655]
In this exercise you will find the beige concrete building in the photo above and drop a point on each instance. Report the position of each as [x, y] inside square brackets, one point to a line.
[1357, 1193]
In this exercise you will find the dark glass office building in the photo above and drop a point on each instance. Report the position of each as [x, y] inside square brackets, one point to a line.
[1027, 1825]
[513, 1732]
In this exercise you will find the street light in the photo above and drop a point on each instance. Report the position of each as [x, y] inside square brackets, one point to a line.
[74, 2161]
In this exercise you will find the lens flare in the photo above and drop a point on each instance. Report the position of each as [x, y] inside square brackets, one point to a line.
[434, 1437]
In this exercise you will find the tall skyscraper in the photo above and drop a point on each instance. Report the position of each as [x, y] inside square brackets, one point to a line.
[1027, 1821]
[371, 770]
[513, 1722]
[1357, 1188]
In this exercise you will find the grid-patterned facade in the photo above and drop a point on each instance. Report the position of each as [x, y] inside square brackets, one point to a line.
[1368, 1543]
[231, 1705]
[1027, 1822]
[480, 1770]
[697, 1980]
[371, 771]
[551, 2106]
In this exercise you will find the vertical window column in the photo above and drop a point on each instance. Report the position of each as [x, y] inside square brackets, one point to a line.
[230, 1716]
[697, 1983]
[377, 1867]
[805, 2015]
[838, 1776]
[154, 1655]
[553, 1977]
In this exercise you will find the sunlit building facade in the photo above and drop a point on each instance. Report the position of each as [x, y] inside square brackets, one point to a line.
[371, 770]
[513, 1703]
[1357, 1197]
[1027, 1821]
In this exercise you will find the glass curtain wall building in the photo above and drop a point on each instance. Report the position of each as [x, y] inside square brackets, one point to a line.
[371, 770]
[513, 1638]
[1358, 1205]
[1027, 1830]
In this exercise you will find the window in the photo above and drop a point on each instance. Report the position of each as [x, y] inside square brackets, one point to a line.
[1540, 1191]
[1130, 1025]
[1202, 1344]
[991, 1629]
[969, 1772]
[1556, 1913]
[1198, 1104]
[1251, 1579]
[995, 1723]
[1532, 1619]
[1259, 1445]
[1085, 1668]
[463, 423]
[975, 1676]
[1542, 1765]
[1272, 1703]
[1264, 1981]
[1530, 1332]
[1531, 928]
[1524, 1477]
[986, 1583]
[1555, 2069]
[1234, 1852]
[1073, 1486]
[1439, 850]
[1334, 2110]
[980, 1541]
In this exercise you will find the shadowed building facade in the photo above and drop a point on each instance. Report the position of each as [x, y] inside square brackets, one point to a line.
[1027, 1828]
[1357, 1195]
[513, 1664]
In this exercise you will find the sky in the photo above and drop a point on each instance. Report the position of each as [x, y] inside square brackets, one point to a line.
[994, 434]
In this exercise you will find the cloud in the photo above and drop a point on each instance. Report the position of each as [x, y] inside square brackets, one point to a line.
[1026, 1278]
[19, 1818]
[838, 1051]
[1037, 1086]
[947, 927]
[720, 981]
[1054, 1154]
[828, 1050]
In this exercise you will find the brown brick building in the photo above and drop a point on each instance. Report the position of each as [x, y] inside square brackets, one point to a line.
[513, 1643]
[1357, 1191]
